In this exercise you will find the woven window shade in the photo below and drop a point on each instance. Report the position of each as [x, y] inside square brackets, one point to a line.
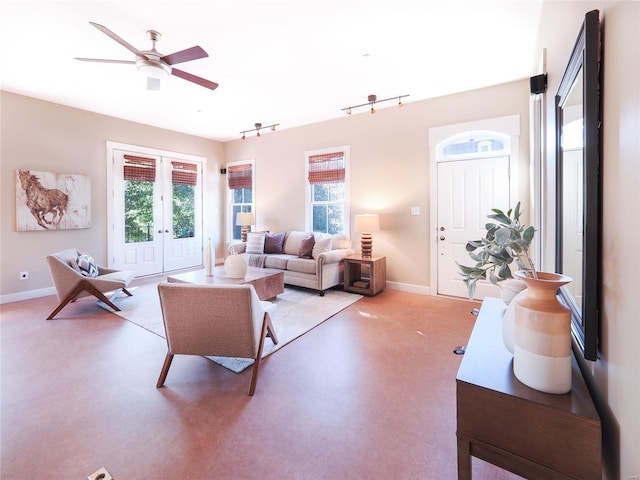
[326, 168]
[240, 176]
[184, 173]
[139, 169]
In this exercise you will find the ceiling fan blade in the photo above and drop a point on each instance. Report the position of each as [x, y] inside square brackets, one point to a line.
[193, 53]
[103, 60]
[118, 39]
[194, 78]
[153, 83]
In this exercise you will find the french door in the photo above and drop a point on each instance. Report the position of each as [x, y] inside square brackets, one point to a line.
[155, 223]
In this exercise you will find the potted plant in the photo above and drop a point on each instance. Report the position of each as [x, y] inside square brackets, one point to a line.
[506, 241]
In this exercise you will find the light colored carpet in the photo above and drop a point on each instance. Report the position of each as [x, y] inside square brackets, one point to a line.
[298, 312]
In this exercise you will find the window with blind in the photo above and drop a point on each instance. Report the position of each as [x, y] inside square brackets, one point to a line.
[139, 178]
[240, 181]
[327, 198]
[184, 179]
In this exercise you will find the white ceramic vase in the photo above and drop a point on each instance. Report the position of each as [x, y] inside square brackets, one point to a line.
[542, 335]
[508, 321]
[510, 288]
[207, 260]
[235, 266]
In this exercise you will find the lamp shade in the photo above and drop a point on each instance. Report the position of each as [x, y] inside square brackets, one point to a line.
[367, 222]
[245, 218]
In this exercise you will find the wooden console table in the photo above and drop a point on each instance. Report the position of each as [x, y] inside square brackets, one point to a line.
[502, 421]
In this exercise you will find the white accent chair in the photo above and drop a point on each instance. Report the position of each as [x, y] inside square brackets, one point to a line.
[70, 284]
[215, 320]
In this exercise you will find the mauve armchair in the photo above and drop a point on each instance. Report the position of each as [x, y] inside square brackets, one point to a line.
[215, 320]
[71, 284]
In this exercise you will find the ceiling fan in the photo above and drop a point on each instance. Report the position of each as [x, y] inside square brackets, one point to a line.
[154, 64]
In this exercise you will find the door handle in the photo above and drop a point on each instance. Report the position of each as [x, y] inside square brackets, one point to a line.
[159, 231]
[441, 237]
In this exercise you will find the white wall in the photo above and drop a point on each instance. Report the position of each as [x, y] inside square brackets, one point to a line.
[43, 136]
[616, 373]
[390, 170]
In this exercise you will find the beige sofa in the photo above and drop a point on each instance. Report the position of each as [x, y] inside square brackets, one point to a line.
[308, 260]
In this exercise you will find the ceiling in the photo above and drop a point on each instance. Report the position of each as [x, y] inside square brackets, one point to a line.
[286, 62]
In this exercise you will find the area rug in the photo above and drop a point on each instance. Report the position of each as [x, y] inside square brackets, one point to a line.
[298, 311]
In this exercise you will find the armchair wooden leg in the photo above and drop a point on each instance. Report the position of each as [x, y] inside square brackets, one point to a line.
[271, 332]
[69, 298]
[124, 290]
[266, 326]
[165, 369]
[89, 287]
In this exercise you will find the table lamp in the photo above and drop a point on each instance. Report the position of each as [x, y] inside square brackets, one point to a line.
[245, 220]
[365, 224]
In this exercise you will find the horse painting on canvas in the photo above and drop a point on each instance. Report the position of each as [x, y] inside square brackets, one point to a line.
[52, 201]
[47, 205]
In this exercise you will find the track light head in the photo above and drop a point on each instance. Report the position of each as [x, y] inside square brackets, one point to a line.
[371, 103]
[258, 128]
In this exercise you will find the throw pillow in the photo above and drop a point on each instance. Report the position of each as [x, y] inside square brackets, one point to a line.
[255, 243]
[306, 247]
[273, 243]
[321, 246]
[87, 266]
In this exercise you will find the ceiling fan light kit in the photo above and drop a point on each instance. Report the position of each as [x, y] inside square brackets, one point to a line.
[155, 65]
[371, 102]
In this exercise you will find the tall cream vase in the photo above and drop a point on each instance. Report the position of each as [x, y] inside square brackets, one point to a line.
[542, 335]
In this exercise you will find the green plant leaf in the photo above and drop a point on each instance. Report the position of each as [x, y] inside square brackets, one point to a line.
[502, 236]
[529, 234]
[505, 272]
[516, 212]
[471, 287]
[473, 244]
[500, 217]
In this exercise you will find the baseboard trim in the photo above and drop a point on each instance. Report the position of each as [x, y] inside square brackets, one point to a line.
[43, 292]
[27, 295]
[407, 287]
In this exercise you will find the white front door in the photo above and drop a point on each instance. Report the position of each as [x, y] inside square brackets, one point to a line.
[467, 191]
[156, 212]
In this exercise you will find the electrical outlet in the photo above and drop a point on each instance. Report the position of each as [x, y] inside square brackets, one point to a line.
[24, 275]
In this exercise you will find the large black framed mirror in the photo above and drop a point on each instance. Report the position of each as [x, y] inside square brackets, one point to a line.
[578, 186]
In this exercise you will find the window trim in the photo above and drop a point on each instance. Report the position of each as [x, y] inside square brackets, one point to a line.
[231, 203]
[346, 150]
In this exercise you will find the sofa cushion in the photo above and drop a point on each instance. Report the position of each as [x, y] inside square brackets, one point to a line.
[274, 243]
[321, 246]
[255, 243]
[340, 241]
[87, 266]
[278, 261]
[306, 247]
[293, 240]
[302, 265]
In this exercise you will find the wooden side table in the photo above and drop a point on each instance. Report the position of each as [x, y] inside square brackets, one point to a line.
[366, 276]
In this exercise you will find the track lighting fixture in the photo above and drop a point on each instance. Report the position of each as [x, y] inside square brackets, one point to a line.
[257, 129]
[371, 102]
